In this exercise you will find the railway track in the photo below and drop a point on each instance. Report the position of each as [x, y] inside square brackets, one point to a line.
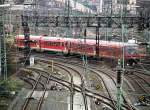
[27, 101]
[89, 90]
[82, 84]
[71, 85]
[105, 85]
[49, 78]
[110, 76]
[78, 89]
[138, 83]
[139, 79]
[108, 73]
[111, 100]
[140, 75]
[44, 92]
[71, 90]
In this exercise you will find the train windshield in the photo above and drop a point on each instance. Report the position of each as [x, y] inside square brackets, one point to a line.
[132, 50]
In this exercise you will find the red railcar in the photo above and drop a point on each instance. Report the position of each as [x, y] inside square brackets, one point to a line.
[107, 49]
[52, 44]
[35, 44]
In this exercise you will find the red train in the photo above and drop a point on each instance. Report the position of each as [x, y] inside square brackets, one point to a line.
[107, 49]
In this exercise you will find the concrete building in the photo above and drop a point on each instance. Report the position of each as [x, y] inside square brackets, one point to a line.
[116, 5]
[144, 7]
[105, 6]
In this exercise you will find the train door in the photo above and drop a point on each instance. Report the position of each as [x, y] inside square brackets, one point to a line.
[143, 50]
[41, 44]
[67, 45]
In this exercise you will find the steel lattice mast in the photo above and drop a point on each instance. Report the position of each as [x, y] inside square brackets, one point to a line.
[2, 43]
[121, 66]
[26, 29]
[26, 39]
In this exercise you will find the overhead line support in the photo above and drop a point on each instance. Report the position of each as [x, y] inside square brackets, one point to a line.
[26, 39]
[3, 44]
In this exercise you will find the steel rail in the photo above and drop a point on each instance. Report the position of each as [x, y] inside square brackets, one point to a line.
[130, 107]
[82, 82]
[42, 98]
[78, 89]
[33, 89]
[72, 86]
[105, 84]
[24, 78]
[111, 77]
[86, 89]
[138, 83]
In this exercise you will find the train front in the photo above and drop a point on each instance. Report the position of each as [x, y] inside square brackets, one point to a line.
[133, 53]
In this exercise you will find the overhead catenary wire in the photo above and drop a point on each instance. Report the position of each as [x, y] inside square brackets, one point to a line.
[123, 54]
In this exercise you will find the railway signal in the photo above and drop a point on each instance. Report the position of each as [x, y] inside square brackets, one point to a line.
[119, 88]
[26, 39]
[119, 72]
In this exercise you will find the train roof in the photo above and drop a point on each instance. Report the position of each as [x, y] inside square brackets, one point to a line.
[88, 41]
[31, 37]
[113, 43]
[104, 43]
[46, 38]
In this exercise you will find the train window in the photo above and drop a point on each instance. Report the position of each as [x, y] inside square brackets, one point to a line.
[35, 41]
[53, 43]
[89, 47]
[142, 49]
[102, 48]
[20, 41]
[132, 50]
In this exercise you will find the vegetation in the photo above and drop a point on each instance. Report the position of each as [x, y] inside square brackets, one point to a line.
[11, 63]
[11, 84]
[8, 90]
[7, 94]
